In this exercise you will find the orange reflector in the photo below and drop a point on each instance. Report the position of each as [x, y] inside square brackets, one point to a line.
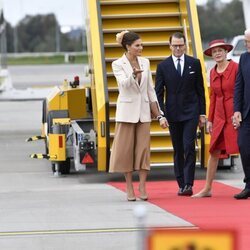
[60, 141]
[87, 159]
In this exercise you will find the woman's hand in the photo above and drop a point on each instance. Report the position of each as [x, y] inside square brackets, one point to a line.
[137, 71]
[202, 121]
[209, 127]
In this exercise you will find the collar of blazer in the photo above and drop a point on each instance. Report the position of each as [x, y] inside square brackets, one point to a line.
[226, 73]
[128, 68]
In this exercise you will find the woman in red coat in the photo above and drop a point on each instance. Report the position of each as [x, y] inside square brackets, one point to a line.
[223, 135]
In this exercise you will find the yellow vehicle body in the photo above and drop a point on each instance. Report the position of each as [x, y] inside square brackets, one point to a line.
[65, 116]
[57, 142]
[67, 98]
[57, 147]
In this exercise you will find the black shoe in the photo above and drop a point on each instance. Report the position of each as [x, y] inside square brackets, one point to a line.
[187, 191]
[244, 194]
[180, 191]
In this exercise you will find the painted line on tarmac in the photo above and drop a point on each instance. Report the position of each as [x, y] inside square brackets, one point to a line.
[90, 231]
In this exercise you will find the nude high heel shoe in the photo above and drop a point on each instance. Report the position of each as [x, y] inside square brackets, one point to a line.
[131, 196]
[143, 196]
[202, 194]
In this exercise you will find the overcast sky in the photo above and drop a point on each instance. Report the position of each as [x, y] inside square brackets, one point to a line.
[68, 12]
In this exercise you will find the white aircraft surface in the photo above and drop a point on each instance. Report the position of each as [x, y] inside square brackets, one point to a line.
[9, 93]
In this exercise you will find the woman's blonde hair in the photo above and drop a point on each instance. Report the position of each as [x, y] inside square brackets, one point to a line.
[126, 38]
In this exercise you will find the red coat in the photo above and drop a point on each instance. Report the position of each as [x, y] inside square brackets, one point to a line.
[221, 108]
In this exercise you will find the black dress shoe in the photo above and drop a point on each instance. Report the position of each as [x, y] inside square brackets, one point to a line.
[180, 191]
[187, 191]
[244, 194]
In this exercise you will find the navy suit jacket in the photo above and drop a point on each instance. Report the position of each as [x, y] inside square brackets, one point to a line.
[242, 86]
[181, 97]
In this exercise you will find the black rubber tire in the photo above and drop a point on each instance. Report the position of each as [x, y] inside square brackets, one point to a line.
[64, 167]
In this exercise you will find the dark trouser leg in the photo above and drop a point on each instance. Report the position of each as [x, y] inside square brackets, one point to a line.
[189, 136]
[176, 132]
[244, 146]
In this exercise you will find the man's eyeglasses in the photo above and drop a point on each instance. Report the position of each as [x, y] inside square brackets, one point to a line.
[177, 46]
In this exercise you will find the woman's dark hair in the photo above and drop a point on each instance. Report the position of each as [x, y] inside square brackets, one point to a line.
[178, 35]
[129, 38]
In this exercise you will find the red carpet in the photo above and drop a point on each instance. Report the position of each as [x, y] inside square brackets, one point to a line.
[221, 211]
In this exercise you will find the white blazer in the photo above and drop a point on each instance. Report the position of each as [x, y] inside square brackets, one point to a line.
[133, 103]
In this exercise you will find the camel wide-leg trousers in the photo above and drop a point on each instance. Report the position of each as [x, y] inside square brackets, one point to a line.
[131, 147]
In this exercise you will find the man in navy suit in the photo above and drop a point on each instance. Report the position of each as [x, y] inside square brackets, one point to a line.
[241, 118]
[180, 92]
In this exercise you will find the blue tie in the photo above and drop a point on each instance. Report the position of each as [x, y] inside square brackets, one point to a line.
[179, 66]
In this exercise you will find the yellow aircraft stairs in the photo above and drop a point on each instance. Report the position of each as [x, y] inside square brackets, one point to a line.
[154, 21]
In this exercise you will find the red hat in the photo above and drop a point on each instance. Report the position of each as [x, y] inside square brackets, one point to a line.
[217, 43]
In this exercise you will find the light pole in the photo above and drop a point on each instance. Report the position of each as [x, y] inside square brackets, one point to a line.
[58, 46]
[15, 38]
[246, 7]
[3, 38]
[140, 213]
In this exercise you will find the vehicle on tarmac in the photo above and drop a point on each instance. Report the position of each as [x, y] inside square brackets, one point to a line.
[78, 128]
[67, 129]
[239, 47]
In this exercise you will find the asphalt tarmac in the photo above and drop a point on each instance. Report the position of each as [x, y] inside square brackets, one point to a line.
[78, 211]
[40, 76]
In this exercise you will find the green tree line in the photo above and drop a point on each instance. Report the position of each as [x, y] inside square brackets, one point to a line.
[41, 33]
[218, 20]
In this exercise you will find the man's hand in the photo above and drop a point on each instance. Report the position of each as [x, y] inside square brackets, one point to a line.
[202, 121]
[163, 122]
[236, 119]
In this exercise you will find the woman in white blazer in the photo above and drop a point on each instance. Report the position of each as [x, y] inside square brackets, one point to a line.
[131, 145]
